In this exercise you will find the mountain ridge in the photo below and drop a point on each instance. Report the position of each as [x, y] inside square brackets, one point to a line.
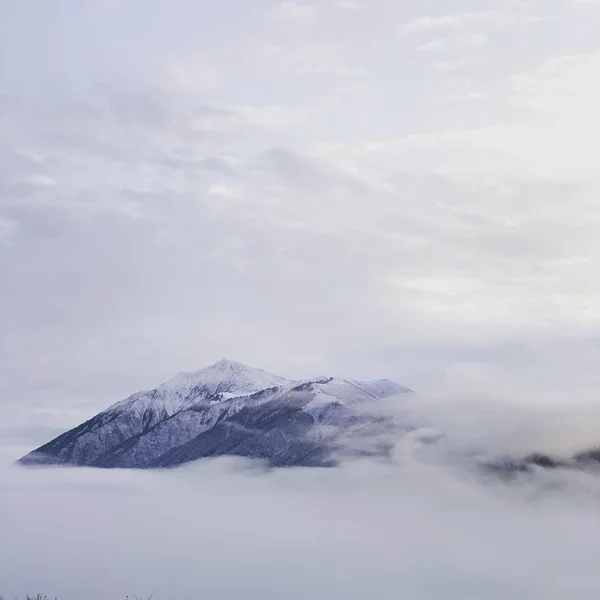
[227, 408]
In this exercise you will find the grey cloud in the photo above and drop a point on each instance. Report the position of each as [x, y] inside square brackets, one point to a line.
[412, 527]
[166, 280]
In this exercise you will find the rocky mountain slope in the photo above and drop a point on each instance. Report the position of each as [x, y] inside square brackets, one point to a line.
[226, 409]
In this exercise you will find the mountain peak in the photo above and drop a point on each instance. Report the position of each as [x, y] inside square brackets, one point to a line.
[226, 363]
[230, 376]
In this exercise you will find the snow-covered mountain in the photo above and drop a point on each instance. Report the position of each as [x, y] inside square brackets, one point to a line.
[226, 409]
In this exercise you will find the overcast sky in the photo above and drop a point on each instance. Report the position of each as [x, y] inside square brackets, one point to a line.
[356, 187]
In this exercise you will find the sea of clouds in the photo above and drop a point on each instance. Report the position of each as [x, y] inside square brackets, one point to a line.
[424, 524]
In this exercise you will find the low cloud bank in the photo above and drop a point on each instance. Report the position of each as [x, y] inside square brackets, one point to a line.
[416, 526]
